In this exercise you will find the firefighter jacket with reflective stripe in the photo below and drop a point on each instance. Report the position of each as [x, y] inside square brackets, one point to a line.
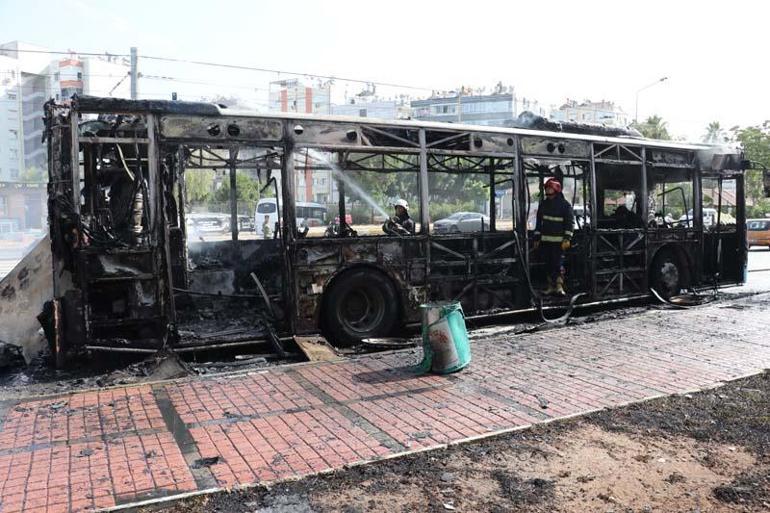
[554, 220]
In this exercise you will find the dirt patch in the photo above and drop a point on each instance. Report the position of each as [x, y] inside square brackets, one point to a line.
[575, 468]
[738, 413]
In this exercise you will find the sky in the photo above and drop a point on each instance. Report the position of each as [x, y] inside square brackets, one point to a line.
[713, 53]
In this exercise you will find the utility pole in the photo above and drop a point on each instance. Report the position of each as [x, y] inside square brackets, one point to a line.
[134, 75]
[460, 105]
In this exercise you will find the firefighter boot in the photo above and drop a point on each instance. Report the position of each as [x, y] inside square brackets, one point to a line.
[559, 291]
[550, 289]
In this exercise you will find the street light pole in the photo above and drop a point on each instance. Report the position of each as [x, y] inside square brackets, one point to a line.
[134, 74]
[636, 108]
[460, 105]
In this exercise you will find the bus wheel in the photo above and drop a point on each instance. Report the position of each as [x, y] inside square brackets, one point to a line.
[666, 274]
[361, 304]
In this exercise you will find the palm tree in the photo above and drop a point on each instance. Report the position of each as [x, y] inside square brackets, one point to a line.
[654, 128]
[714, 133]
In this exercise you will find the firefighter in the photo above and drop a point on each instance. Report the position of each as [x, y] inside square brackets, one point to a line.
[266, 232]
[553, 233]
[400, 223]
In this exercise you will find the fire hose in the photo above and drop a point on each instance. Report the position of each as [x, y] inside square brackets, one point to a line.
[533, 294]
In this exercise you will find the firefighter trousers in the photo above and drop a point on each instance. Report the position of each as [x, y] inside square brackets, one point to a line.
[552, 255]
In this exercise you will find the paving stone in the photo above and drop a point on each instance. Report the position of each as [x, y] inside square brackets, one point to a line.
[104, 448]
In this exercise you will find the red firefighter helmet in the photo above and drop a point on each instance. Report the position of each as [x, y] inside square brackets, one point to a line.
[554, 184]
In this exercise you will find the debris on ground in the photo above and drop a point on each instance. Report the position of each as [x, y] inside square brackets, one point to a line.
[206, 462]
[166, 366]
[316, 348]
[390, 342]
[11, 356]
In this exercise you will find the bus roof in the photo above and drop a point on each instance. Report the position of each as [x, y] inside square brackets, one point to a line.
[100, 104]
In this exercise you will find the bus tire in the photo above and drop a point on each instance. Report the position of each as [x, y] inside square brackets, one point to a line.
[361, 304]
[666, 274]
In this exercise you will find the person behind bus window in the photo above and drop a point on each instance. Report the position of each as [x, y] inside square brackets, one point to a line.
[400, 223]
[625, 218]
[266, 228]
[553, 233]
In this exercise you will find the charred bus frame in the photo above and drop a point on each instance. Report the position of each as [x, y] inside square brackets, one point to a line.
[125, 271]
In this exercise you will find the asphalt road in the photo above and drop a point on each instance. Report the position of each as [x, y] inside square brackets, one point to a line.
[759, 258]
[759, 271]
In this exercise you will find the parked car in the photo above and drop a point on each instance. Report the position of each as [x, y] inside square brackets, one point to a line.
[758, 232]
[462, 222]
[245, 223]
[208, 223]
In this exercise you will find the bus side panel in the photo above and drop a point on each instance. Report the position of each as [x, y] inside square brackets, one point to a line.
[317, 263]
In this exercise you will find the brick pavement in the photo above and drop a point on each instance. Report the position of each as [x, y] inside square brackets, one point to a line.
[112, 448]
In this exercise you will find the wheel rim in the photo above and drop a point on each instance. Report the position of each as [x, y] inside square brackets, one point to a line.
[361, 310]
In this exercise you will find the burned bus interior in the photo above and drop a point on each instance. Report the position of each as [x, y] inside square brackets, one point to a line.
[182, 225]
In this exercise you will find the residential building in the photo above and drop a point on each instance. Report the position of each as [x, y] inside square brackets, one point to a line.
[30, 76]
[293, 95]
[473, 107]
[600, 113]
[26, 92]
[374, 108]
[11, 131]
[22, 206]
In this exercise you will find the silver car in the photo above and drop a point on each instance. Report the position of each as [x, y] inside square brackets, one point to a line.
[462, 222]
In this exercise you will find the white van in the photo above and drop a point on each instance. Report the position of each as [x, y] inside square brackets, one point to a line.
[308, 214]
[709, 218]
[265, 207]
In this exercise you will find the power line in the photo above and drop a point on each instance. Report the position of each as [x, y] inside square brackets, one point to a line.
[198, 82]
[5, 51]
[284, 72]
[228, 66]
[115, 75]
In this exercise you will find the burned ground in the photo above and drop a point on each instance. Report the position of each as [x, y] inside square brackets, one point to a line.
[706, 451]
[115, 369]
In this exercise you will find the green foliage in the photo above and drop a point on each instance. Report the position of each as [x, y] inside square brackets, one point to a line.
[247, 190]
[653, 128]
[201, 191]
[758, 209]
[440, 210]
[756, 146]
[199, 185]
[362, 214]
[382, 188]
[457, 187]
[714, 133]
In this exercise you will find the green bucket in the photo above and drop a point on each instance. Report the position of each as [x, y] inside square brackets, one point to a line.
[445, 343]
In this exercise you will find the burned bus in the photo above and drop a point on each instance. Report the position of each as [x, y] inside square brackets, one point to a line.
[130, 274]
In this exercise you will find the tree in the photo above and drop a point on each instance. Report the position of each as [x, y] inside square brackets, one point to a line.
[714, 133]
[246, 190]
[756, 146]
[653, 128]
[199, 185]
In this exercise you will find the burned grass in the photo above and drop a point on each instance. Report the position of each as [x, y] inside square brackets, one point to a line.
[738, 413]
